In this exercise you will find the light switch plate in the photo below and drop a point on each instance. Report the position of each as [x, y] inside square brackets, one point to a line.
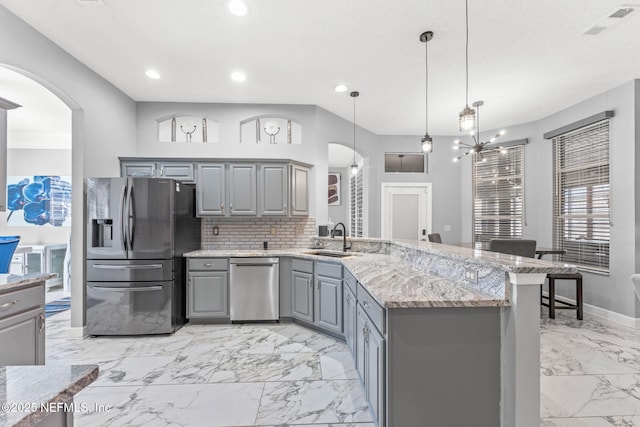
[447, 228]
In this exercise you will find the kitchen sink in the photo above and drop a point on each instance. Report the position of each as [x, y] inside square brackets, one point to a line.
[334, 254]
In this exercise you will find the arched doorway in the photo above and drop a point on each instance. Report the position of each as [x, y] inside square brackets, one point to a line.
[70, 140]
[347, 194]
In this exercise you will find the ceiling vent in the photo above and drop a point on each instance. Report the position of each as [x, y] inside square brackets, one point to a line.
[611, 19]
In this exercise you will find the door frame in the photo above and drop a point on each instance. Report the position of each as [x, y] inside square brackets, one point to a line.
[427, 186]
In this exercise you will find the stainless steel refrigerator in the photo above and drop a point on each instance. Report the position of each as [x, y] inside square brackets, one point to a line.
[137, 231]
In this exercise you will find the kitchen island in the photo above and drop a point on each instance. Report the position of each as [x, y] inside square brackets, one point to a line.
[22, 324]
[444, 335]
[42, 395]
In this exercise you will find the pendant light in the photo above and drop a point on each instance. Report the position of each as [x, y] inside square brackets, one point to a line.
[467, 117]
[478, 146]
[354, 165]
[427, 141]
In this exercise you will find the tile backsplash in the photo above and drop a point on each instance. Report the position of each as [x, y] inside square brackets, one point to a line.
[249, 233]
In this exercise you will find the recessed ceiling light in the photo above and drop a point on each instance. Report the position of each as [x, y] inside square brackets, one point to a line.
[238, 7]
[238, 76]
[152, 74]
[340, 88]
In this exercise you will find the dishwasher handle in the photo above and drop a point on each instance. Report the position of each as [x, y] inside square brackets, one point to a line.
[254, 265]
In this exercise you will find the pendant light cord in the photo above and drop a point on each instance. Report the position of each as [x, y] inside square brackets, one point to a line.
[466, 13]
[426, 87]
[354, 130]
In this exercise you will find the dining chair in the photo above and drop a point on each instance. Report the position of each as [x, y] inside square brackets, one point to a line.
[434, 238]
[518, 247]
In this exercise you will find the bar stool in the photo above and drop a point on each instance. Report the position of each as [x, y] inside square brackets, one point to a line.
[552, 301]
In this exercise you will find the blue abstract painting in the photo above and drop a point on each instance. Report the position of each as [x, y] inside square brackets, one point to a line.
[39, 200]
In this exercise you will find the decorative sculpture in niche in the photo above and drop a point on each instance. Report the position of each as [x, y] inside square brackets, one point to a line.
[256, 130]
[187, 129]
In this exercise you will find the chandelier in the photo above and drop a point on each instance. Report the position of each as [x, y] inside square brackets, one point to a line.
[478, 146]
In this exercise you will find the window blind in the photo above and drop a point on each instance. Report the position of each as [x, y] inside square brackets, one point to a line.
[581, 202]
[498, 195]
[356, 198]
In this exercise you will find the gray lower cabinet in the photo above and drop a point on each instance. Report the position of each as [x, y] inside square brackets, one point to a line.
[302, 288]
[208, 289]
[242, 190]
[328, 304]
[317, 294]
[349, 318]
[370, 363]
[22, 327]
[272, 192]
[211, 189]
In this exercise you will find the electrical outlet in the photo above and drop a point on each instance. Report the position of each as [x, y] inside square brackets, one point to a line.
[471, 275]
[447, 228]
[299, 230]
[216, 230]
[273, 230]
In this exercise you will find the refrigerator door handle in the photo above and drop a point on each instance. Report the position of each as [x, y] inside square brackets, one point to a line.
[122, 217]
[131, 217]
[126, 267]
[136, 288]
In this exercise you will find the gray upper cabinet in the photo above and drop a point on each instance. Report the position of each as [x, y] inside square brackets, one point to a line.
[141, 169]
[242, 189]
[273, 190]
[230, 187]
[299, 191]
[175, 170]
[181, 171]
[211, 189]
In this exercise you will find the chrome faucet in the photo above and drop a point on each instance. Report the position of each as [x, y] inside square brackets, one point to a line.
[344, 236]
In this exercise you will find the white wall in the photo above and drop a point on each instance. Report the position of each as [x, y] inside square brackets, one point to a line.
[31, 162]
[613, 292]
[103, 121]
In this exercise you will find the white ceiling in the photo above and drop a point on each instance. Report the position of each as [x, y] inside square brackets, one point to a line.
[528, 59]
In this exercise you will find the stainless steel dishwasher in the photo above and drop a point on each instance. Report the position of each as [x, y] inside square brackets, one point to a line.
[254, 289]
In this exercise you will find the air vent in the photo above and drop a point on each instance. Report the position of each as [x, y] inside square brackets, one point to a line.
[611, 18]
[621, 13]
[595, 30]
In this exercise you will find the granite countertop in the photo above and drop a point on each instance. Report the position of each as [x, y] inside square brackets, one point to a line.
[24, 388]
[15, 281]
[392, 282]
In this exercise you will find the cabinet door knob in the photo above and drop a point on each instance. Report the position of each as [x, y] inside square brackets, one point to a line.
[365, 304]
[309, 282]
[41, 322]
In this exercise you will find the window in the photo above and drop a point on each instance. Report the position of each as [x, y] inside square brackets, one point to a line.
[356, 195]
[581, 203]
[405, 163]
[498, 195]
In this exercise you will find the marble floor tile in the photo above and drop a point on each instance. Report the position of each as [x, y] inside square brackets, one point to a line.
[338, 365]
[309, 402]
[173, 405]
[296, 338]
[129, 370]
[238, 367]
[589, 395]
[610, 421]
[231, 339]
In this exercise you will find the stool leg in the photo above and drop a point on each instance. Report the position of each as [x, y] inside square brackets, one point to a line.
[579, 297]
[552, 298]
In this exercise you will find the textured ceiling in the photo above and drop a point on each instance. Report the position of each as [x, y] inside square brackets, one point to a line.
[528, 59]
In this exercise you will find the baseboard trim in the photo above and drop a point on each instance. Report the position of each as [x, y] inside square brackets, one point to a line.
[612, 316]
[77, 332]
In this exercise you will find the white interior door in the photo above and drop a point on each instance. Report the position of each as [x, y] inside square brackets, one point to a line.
[406, 211]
